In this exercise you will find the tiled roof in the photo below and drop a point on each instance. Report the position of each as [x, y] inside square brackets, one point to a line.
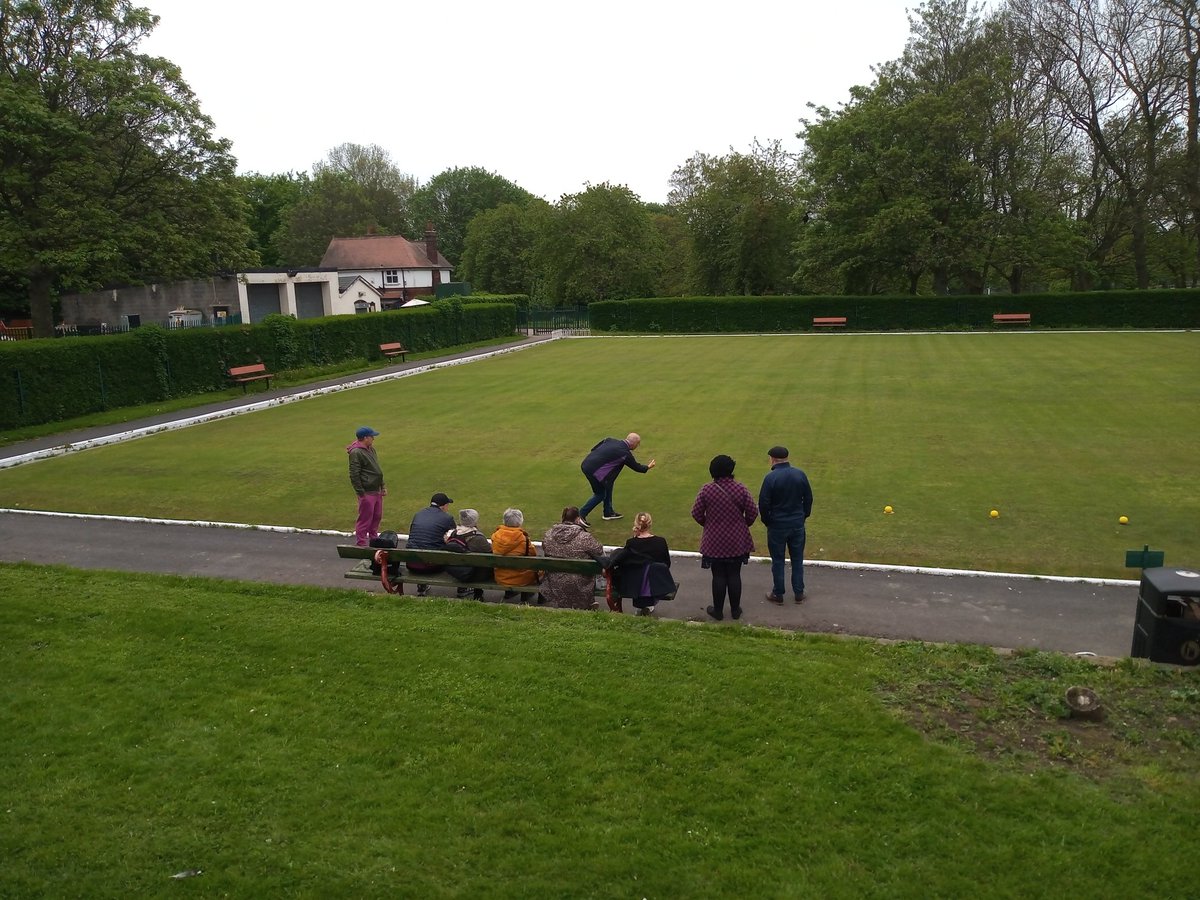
[379, 251]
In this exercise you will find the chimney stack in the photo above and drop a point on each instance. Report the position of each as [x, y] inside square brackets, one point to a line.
[431, 251]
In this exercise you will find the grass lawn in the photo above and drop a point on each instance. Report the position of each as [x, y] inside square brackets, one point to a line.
[1062, 433]
[309, 742]
[290, 378]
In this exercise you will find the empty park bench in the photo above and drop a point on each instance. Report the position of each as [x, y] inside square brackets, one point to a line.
[243, 375]
[362, 570]
[829, 321]
[393, 350]
[1011, 318]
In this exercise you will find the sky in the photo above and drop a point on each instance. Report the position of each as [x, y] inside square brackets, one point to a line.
[551, 95]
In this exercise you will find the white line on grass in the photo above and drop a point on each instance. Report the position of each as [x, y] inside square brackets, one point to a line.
[678, 554]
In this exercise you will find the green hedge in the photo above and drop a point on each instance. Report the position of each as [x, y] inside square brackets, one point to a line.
[694, 315]
[50, 380]
[520, 301]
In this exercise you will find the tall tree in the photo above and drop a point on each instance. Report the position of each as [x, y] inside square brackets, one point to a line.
[269, 199]
[739, 210]
[599, 244]
[1115, 74]
[499, 250]
[451, 199]
[108, 169]
[354, 191]
[385, 189]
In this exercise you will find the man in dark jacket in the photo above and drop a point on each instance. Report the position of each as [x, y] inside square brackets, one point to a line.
[366, 477]
[602, 466]
[784, 504]
[428, 532]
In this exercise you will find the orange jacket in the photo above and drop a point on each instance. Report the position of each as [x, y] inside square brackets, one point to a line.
[508, 540]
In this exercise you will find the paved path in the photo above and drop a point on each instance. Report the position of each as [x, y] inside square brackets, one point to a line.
[998, 611]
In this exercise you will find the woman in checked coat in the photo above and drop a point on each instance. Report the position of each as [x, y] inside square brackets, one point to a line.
[726, 510]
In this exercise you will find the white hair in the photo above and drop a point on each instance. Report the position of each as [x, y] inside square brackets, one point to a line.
[514, 518]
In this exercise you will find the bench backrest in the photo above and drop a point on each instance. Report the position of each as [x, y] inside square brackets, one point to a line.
[479, 560]
[395, 346]
[235, 371]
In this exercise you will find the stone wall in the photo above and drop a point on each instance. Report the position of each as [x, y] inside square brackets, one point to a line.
[151, 302]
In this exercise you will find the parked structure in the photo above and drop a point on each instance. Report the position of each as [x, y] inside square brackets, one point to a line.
[357, 275]
[399, 269]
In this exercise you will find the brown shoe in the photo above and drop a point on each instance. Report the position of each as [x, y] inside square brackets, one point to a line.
[774, 598]
[800, 598]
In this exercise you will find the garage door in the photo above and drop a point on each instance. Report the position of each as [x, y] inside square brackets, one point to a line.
[308, 301]
[263, 299]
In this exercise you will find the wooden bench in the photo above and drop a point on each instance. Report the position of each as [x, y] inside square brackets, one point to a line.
[1011, 318]
[243, 375]
[362, 571]
[829, 321]
[393, 350]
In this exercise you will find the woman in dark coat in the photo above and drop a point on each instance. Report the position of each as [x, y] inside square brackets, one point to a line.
[726, 510]
[643, 567]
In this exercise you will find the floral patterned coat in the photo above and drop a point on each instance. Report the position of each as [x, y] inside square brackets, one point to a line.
[569, 541]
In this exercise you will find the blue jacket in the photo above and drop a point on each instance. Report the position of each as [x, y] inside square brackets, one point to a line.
[428, 529]
[785, 498]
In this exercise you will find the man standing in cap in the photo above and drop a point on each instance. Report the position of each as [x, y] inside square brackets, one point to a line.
[428, 532]
[601, 467]
[784, 503]
[366, 477]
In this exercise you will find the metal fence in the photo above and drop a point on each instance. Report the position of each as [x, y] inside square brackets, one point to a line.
[24, 333]
[545, 321]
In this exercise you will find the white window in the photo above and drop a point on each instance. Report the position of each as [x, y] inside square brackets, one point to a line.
[391, 276]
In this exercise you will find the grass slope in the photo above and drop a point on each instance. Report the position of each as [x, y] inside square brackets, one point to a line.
[1062, 433]
[308, 742]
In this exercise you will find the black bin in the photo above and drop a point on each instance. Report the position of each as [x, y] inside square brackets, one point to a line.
[1166, 628]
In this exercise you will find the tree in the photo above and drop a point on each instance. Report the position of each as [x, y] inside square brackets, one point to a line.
[354, 191]
[599, 244]
[1115, 73]
[451, 199]
[108, 169]
[269, 199]
[386, 190]
[949, 168]
[499, 249]
[677, 277]
[739, 210]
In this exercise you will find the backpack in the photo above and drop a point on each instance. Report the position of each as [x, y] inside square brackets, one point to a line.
[458, 543]
[387, 540]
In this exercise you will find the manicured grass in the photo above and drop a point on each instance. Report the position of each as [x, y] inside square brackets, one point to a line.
[290, 378]
[1062, 433]
[306, 742]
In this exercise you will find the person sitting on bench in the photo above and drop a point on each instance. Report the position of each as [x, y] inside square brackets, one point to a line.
[467, 538]
[511, 539]
[642, 568]
[428, 532]
[570, 539]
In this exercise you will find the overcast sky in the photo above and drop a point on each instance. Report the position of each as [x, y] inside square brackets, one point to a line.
[551, 95]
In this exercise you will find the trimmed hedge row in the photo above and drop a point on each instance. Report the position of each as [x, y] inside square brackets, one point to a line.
[520, 301]
[704, 315]
[53, 379]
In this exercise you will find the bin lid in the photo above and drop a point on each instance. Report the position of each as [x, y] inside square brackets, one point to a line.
[1180, 580]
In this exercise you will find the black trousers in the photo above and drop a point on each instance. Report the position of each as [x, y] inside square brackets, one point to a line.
[726, 579]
